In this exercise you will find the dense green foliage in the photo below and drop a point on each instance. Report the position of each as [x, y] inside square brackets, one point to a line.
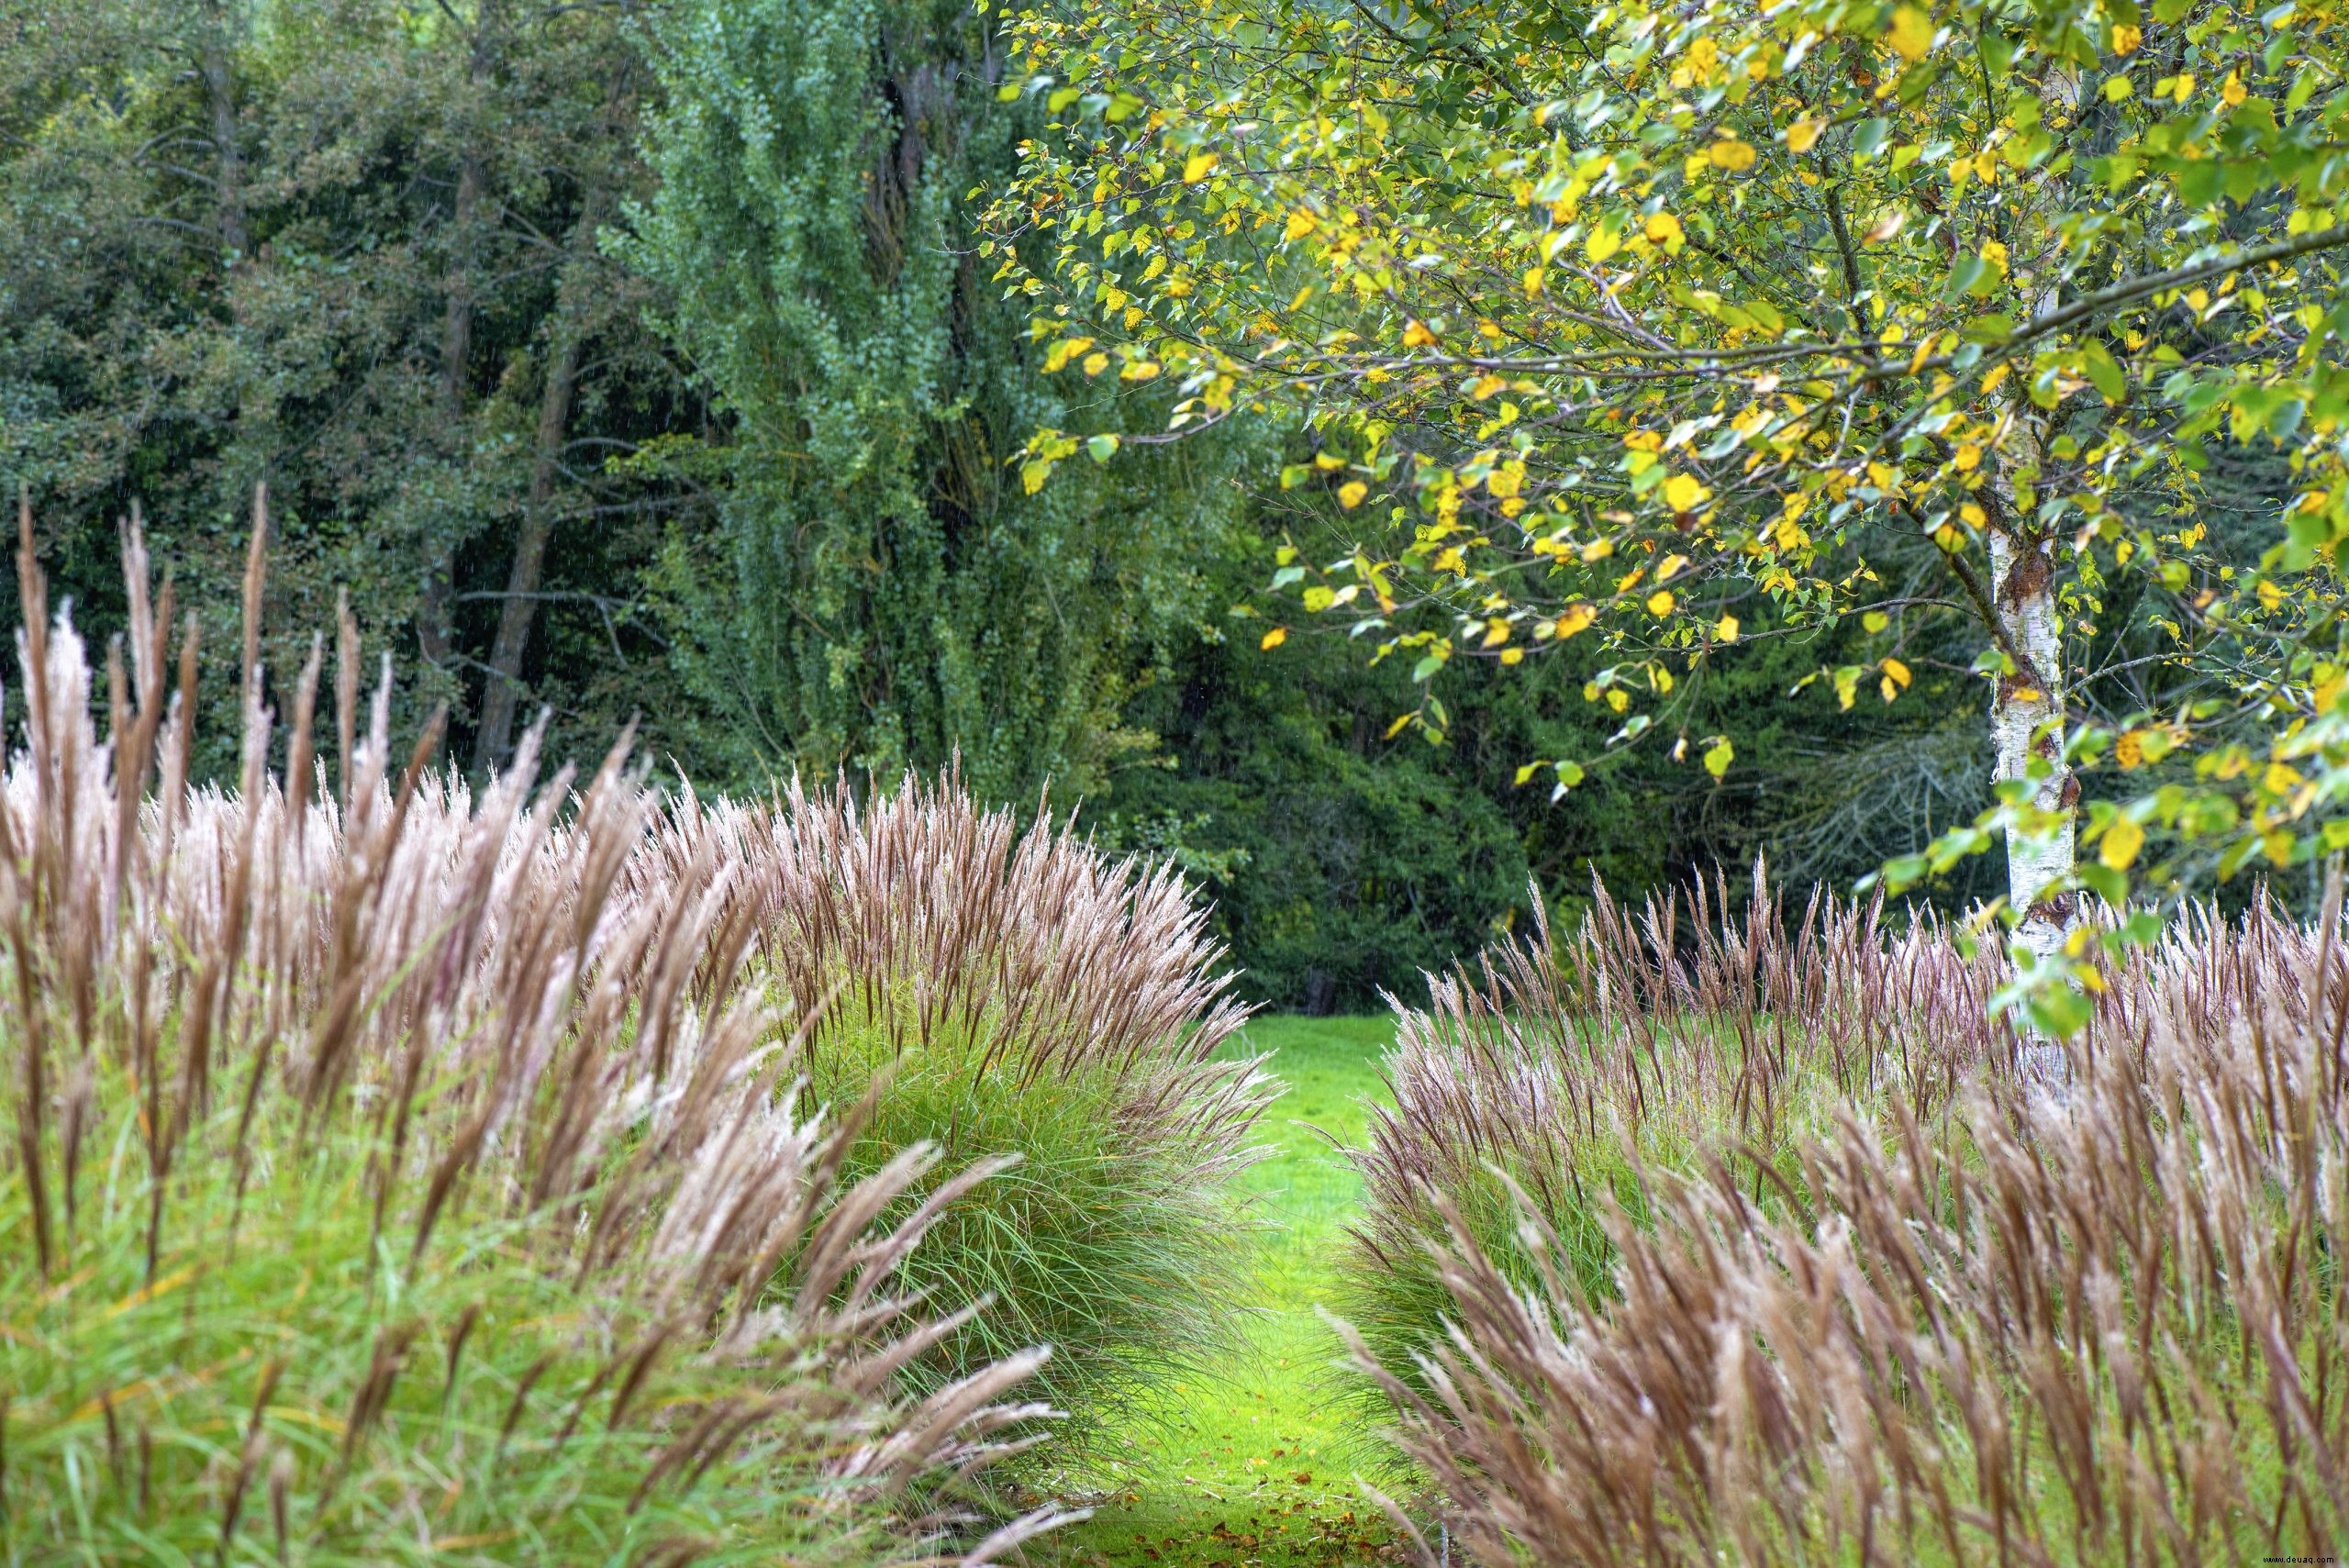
[641, 364]
[881, 590]
[348, 248]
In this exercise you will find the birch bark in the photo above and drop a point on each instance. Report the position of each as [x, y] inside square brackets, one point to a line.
[2026, 722]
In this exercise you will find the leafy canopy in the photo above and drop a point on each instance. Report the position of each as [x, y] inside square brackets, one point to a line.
[1660, 325]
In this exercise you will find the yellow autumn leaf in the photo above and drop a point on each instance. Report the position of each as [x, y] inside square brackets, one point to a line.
[1573, 618]
[1803, 134]
[1096, 364]
[1719, 756]
[1300, 224]
[1725, 630]
[1911, 34]
[1485, 386]
[1197, 167]
[1660, 603]
[1669, 567]
[1350, 495]
[1273, 639]
[1684, 492]
[1733, 156]
[1495, 632]
[2126, 38]
[1602, 243]
[1896, 672]
[1662, 229]
[1417, 336]
[2119, 844]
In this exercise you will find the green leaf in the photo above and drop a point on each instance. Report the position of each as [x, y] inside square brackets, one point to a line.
[1102, 447]
[2109, 885]
[2103, 374]
[2061, 1011]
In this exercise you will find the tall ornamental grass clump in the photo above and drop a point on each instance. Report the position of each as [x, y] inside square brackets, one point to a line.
[992, 991]
[379, 1185]
[2103, 1322]
[1569, 1072]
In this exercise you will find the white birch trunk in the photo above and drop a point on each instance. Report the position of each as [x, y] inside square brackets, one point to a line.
[2027, 716]
[2027, 720]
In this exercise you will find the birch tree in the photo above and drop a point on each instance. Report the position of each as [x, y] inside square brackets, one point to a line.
[1627, 331]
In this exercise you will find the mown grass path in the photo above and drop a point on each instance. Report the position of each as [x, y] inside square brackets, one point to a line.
[1251, 1465]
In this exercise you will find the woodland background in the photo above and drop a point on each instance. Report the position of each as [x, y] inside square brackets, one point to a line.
[636, 361]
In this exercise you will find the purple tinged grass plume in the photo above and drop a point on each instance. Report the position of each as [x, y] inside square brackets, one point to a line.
[1745, 1242]
[398, 1173]
[1008, 993]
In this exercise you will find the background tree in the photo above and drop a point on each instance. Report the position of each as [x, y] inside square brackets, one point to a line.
[351, 250]
[882, 591]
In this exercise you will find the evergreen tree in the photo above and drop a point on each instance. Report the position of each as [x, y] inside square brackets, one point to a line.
[883, 591]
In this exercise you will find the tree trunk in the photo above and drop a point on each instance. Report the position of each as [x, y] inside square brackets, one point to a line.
[456, 349]
[2027, 721]
[457, 318]
[219, 96]
[2027, 727]
[494, 739]
[2027, 705]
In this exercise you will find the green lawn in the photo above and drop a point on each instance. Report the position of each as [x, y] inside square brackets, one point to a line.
[1253, 1463]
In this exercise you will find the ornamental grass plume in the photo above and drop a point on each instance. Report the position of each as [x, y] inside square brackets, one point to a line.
[997, 991]
[2002, 1327]
[392, 1177]
[1569, 1067]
